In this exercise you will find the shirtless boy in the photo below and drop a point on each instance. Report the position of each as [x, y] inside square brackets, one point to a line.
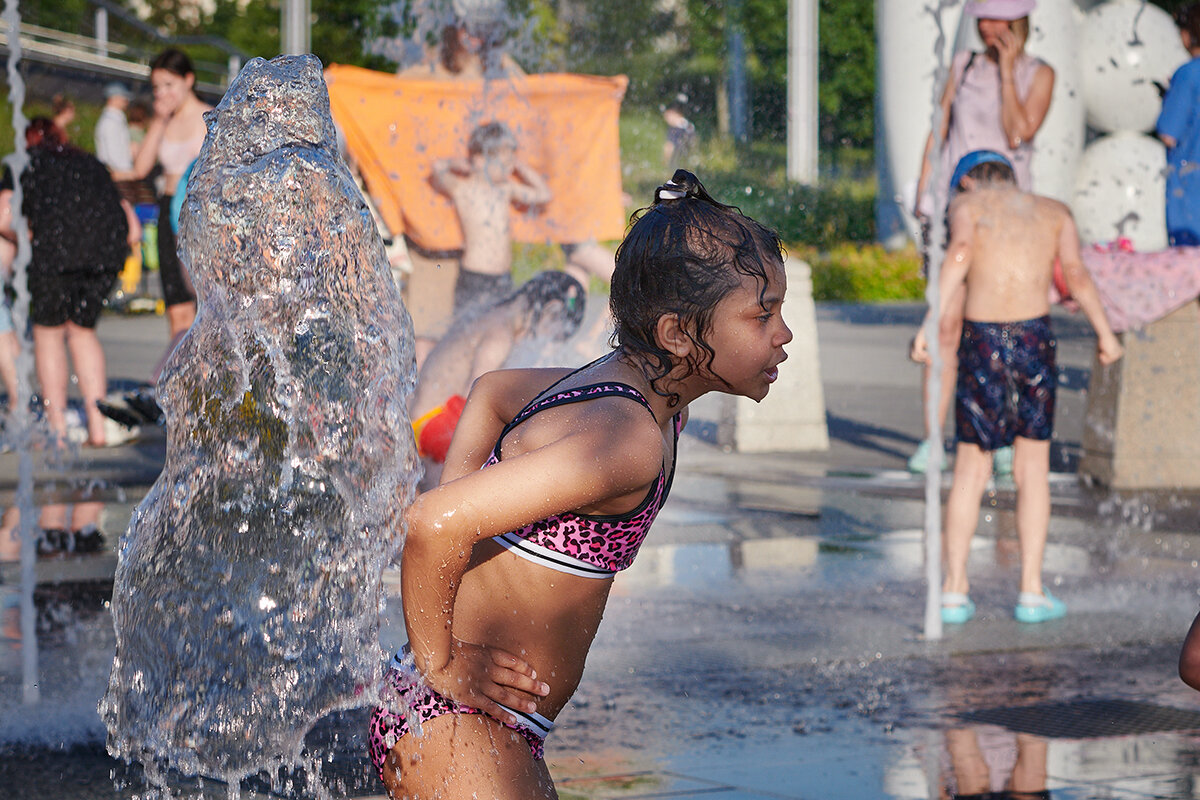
[482, 187]
[1003, 243]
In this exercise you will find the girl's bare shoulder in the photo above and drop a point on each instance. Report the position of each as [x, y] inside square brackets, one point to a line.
[510, 390]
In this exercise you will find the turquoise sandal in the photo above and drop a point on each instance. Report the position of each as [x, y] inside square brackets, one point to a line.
[957, 608]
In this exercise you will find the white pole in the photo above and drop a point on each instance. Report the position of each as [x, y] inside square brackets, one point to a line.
[802, 91]
[102, 31]
[295, 30]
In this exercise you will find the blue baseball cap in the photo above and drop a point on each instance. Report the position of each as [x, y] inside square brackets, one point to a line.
[972, 160]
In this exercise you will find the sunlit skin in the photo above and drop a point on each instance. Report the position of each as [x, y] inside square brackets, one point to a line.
[475, 347]
[483, 188]
[178, 117]
[1003, 244]
[1022, 118]
[488, 627]
[1189, 656]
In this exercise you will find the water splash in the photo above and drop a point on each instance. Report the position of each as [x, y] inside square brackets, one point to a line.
[247, 594]
[20, 427]
[936, 252]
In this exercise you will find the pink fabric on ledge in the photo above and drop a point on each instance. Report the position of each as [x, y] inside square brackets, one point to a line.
[1139, 288]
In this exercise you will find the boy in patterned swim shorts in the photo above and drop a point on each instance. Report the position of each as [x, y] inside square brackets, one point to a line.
[1003, 245]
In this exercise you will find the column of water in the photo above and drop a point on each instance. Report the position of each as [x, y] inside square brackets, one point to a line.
[20, 423]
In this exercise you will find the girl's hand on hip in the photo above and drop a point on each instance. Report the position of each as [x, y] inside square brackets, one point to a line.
[486, 678]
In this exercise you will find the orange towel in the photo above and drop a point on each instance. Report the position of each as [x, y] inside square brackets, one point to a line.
[566, 129]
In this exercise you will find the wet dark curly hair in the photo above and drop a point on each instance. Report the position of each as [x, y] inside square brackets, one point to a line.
[681, 256]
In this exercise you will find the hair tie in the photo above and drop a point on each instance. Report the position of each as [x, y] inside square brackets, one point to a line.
[670, 191]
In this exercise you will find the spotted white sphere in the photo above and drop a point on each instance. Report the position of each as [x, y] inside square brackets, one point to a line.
[1124, 46]
[1119, 191]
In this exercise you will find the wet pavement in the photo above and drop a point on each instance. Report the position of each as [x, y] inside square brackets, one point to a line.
[768, 641]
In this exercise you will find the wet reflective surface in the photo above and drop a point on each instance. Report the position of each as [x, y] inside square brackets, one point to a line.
[754, 653]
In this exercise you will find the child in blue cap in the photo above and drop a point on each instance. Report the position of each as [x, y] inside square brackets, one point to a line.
[1003, 244]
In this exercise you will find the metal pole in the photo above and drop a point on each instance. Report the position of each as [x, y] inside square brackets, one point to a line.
[102, 31]
[802, 91]
[295, 27]
[739, 104]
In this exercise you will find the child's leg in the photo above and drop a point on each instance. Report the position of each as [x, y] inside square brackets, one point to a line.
[972, 470]
[10, 348]
[971, 773]
[1029, 773]
[88, 356]
[50, 363]
[466, 755]
[1031, 473]
[589, 258]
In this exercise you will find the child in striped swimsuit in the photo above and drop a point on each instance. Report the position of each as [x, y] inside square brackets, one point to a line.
[551, 483]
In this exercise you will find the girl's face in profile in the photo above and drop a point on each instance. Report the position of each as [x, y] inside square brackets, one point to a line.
[748, 335]
[170, 90]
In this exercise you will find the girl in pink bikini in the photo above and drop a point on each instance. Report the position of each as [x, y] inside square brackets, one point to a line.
[550, 486]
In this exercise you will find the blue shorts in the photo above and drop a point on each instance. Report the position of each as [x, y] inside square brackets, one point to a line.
[1007, 380]
[6, 320]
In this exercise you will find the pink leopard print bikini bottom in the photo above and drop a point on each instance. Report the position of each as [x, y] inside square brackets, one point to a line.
[413, 697]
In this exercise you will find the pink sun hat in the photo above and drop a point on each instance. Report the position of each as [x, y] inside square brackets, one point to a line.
[1000, 9]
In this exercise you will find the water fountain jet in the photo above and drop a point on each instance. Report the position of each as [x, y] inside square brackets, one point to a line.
[247, 593]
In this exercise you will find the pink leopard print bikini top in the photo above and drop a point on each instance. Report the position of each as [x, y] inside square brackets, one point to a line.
[591, 546]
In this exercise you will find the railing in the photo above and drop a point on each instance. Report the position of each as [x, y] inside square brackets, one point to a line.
[128, 59]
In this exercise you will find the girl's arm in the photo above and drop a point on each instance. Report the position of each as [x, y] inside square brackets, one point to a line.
[147, 154]
[1084, 292]
[534, 191]
[1189, 656]
[1022, 118]
[446, 174]
[494, 399]
[958, 254]
[619, 451]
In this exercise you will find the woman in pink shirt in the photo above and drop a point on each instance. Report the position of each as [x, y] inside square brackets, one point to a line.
[995, 100]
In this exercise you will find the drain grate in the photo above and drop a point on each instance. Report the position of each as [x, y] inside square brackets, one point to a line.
[1087, 719]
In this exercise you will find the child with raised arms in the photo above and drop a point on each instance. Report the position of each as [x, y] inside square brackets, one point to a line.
[550, 486]
[482, 187]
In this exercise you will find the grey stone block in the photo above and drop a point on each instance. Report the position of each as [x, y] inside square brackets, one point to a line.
[792, 417]
[1142, 429]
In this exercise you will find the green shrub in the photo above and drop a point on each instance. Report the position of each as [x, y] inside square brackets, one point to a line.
[870, 273]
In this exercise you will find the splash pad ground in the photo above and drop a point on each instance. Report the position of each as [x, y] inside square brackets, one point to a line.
[766, 644]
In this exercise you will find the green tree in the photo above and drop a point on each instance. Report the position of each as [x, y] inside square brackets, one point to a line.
[847, 72]
[342, 30]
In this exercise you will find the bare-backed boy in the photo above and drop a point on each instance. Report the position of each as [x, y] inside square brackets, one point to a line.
[1003, 245]
[483, 187]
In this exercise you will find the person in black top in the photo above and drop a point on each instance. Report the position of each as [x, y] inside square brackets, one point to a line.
[80, 233]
